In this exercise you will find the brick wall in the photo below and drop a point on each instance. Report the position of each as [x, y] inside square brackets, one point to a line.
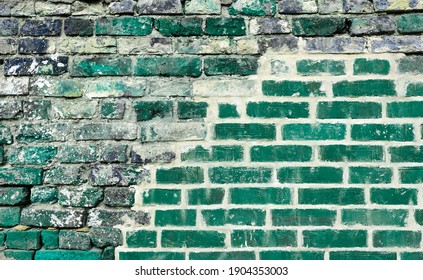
[208, 129]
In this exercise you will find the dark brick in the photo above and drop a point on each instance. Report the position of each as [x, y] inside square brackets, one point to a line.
[46, 27]
[32, 46]
[79, 27]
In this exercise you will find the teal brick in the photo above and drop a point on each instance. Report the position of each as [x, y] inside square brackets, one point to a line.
[410, 23]
[382, 132]
[246, 131]
[21, 176]
[406, 154]
[227, 111]
[370, 175]
[35, 155]
[393, 196]
[24, 240]
[43, 132]
[291, 255]
[225, 27]
[205, 196]
[168, 66]
[13, 196]
[237, 255]
[317, 26]
[78, 154]
[354, 153]
[2, 159]
[180, 175]
[364, 88]
[178, 217]
[50, 239]
[364, 66]
[253, 8]
[44, 195]
[289, 110]
[215, 153]
[362, 255]
[124, 26]
[331, 196]
[192, 239]
[411, 175]
[92, 254]
[303, 217]
[414, 89]
[242, 66]
[72, 240]
[19, 254]
[418, 216]
[112, 110]
[308, 67]
[375, 217]
[411, 256]
[108, 253]
[335, 238]
[292, 88]
[151, 256]
[9, 216]
[278, 196]
[263, 238]
[63, 175]
[246, 217]
[321, 131]
[413, 109]
[349, 110]
[101, 66]
[310, 175]
[192, 110]
[141, 239]
[179, 26]
[240, 175]
[396, 238]
[281, 153]
[148, 110]
[161, 196]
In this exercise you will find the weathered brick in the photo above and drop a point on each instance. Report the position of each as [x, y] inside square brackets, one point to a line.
[118, 175]
[116, 197]
[247, 131]
[50, 239]
[13, 196]
[122, 7]
[45, 217]
[225, 26]
[263, 238]
[208, 88]
[303, 217]
[27, 66]
[192, 239]
[19, 254]
[397, 238]
[112, 110]
[78, 27]
[161, 196]
[336, 196]
[37, 109]
[9, 216]
[370, 175]
[335, 45]
[33, 46]
[124, 26]
[141, 239]
[14, 86]
[35, 155]
[364, 66]
[168, 66]
[240, 175]
[292, 88]
[42, 132]
[321, 131]
[246, 217]
[371, 25]
[8, 46]
[230, 66]
[152, 153]
[159, 7]
[206, 196]
[308, 67]
[180, 175]
[44, 195]
[99, 217]
[52, 9]
[394, 196]
[410, 65]
[105, 236]
[215, 153]
[9, 27]
[46, 27]
[10, 109]
[317, 26]
[72, 240]
[410, 23]
[335, 238]
[179, 26]
[25, 240]
[355, 153]
[289, 110]
[105, 131]
[269, 26]
[277, 196]
[382, 132]
[77, 154]
[329, 6]
[56, 88]
[113, 153]
[173, 131]
[310, 175]
[80, 197]
[6, 136]
[396, 44]
[414, 89]
[118, 88]
[375, 217]
[21, 176]
[148, 110]
[101, 66]
[253, 8]
[280, 153]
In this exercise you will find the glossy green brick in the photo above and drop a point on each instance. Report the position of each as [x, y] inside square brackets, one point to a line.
[45, 195]
[411, 256]
[9, 216]
[362, 255]
[393, 196]
[291, 255]
[329, 196]
[21, 176]
[124, 26]
[112, 110]
[151, 256]
[335, 238]
[310, 175]
[175, 217]
[225, 27]
[161, 196]
[318, 26]
[205, 196]
[242, 66]
[24, 240]
[397, 238]
[278, 196]
[321, 131]
[13, 196]
[292, 88]
[93, 254]
[141, 238]
[179, 26]
[240, 175]
[370, 175]
[375, 217]
[246, 217]
[245, 131]
[215, 153]
[237, 255]
[101, 66]
[35, 155]
[263, 238]
[289, 110]
[364, 66]
[308, 67]
[303, 217]
[364, 88]
[414, 89]
[382, 132]
[168, 66]
[349, 110]
[180, 175]
[148, 110]
[413, 109]
[19, 254]
[406, 154]
[228, 111]
[411, 175]
[78, 154]
[192, 110]
[410, 23]
[192, 239]
[280, 153]
[50, 239]
[354, 153]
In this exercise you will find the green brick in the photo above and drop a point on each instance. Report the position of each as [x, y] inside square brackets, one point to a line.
[411, 175]
[239, 175]
[36, 155]
[151, 256]
[317, 26]
[393, 196]
[5, 135]
[45, 195]
[161, 196]
[21, 176]
[67, 255]
[228, 111]
[329, 196]
[24, 240]
[335, 238]
[413, 109]
[397, 238]
[246, 217]
[310, 175]
[180, 175]
[206, 196]
[148, 110]
[192, 239]
[280, 153]
[321, 131]
[278, 196]
[192, 110]
[9, 216]
[124, 26]
[406, 154]
[364, 66]
[108, 253]
[168, 66]
[418, 216]
[101, 66]
[175, 218]
[364, 88]
[19, 254]
[78, 154]
[349, 110]
[2, 158]
[215, 153]
[56, 88]
[382, 132]
[43, 132]
[292, 88]
[412, 256]
[112, 110]
[225, 27]
[2, 238]
[37, 110]
[242, 66]
[237, 255]
[303, 217]
[412, 64]
[375, 217]
[245, 131]
[291, 255]
[410, 23]
[362, 255]
[253, 8]
[289, 110]
[13, 196]
[415, 89]
[308, 67]
[50, 239]
[262, 238]
[179, 26]
[356, 153]
[370, 175]
[141, 238]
